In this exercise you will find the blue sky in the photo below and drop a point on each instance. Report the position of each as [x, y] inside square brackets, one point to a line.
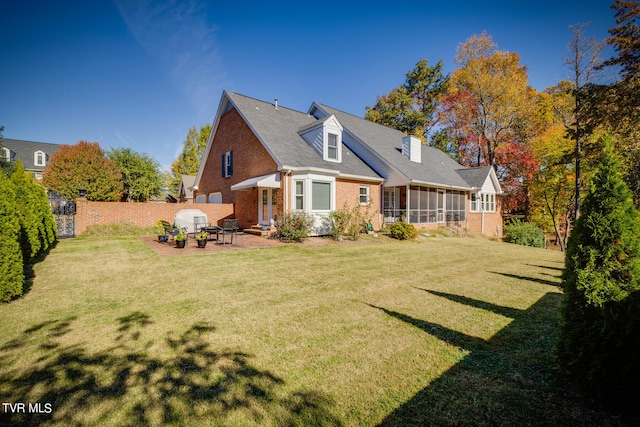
[139, 73]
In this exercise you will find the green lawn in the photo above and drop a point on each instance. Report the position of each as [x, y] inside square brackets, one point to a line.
[441, 331]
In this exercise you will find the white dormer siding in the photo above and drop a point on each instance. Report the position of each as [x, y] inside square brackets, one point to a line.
[325, 136]
[412, 148]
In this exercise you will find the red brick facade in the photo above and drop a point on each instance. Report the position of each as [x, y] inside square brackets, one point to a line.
[492, 220]
[141, 214]
[250, 159]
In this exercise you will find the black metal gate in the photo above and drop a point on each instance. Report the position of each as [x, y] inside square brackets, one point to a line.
[64, 213]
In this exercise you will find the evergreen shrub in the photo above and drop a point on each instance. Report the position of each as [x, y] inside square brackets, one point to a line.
[524, 233]
[403, 231]
[598, 345]
[11, 262]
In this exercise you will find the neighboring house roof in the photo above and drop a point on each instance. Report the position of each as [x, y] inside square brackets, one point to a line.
[25, 150]
[278, 129]
[186, 185]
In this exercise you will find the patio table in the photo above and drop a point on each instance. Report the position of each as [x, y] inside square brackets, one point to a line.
[211, 229]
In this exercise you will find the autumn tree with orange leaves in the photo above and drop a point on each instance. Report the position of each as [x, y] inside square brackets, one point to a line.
[83, 165]
[489, 114]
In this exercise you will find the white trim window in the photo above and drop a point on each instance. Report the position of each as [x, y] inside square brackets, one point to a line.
[6, 153]
[365, 194]
[321, 196]
[39, 158]
[483, 202]
[299, 194]
[332, 147]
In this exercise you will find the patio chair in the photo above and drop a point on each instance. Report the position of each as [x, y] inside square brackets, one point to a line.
[199, 223]
[229, 227]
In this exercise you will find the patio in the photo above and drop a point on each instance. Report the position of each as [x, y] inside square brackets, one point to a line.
[244, 241]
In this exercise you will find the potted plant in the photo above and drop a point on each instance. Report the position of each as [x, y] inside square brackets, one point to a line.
[201, 238]
[181, 238]
[159, 229]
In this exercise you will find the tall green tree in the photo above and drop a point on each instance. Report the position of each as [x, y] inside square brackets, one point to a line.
[599, 336]
[11, 263]
[411, 107]
[141, 175]
[83, 165]
[617, 105]
[190, 158]
[625, 38]
[37, 228]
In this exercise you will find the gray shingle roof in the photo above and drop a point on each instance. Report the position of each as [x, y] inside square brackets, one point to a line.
[436, 166]
[476, 177]
[279, 129]
[24, 150]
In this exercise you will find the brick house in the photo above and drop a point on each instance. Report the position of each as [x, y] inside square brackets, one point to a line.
[269, 160]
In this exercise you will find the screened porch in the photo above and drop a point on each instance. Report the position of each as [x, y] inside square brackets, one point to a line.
[424, 205]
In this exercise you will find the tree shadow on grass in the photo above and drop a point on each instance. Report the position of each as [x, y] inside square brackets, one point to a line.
[127, 384]
[555, 283]
[507, 380]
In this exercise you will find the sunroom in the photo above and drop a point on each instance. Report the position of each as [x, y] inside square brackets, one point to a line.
[417, 205]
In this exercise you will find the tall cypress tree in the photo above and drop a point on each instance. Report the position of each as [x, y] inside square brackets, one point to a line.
[599, 338]
[11, 264]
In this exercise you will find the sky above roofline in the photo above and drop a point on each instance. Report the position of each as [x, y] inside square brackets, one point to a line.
[139, 74]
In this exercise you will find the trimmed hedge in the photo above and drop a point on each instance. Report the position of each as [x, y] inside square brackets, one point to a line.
[11, 262]
[27, 229]
[36, 221]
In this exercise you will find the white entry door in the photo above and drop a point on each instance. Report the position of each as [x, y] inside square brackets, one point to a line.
[267, 204]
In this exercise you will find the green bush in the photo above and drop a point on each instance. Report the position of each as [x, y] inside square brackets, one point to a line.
[524, 233]
[295, 227]
[598, 343]
[339, 221]
[11, 262]
[37, 227]
[403, 231]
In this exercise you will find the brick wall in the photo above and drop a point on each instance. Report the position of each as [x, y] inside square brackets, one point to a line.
[141, 214]
[492, 220]
[348, 191]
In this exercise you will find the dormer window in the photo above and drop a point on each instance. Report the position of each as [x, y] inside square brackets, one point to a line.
[332, 147]
[6, 154]
[39, 158]
[325, 136]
